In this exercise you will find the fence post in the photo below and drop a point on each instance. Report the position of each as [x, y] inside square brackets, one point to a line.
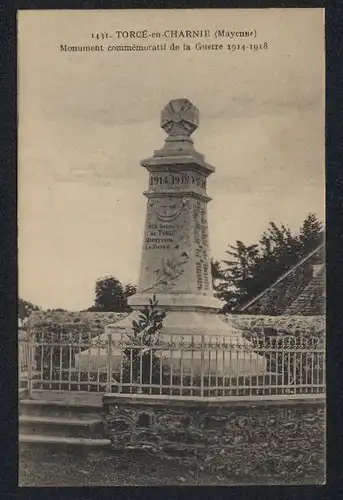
[121, 362]
[109, 363]
[19, 362]
[30, 362]
[202, 362]
[20, 357]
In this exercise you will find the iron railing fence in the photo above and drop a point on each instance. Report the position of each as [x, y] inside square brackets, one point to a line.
[189, 366]
[24, 360]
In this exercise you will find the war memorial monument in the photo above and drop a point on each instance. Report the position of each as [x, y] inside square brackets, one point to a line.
[176, 261]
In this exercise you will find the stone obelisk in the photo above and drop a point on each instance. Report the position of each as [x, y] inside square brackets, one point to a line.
[175, 261]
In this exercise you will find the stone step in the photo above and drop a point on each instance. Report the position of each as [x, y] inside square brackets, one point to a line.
[76, 410]
[22, 392]
[67, 396]
[57, 426]
[40, 440]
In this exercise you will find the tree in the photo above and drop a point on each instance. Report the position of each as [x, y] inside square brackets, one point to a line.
[111, 295]
[59, 309]
[253, 268]
[311, 233]
[25, 308]
[129, 290]
[215, 273]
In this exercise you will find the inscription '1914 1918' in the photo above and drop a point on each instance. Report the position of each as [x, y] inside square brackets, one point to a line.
[174, 180]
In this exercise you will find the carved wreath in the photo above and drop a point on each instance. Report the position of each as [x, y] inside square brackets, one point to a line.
[169, 272]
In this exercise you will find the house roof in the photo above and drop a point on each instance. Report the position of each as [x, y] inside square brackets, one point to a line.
[298, 291]
[311, 301]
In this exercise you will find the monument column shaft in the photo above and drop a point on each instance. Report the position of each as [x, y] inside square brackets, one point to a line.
[175, 253]
[176, 261]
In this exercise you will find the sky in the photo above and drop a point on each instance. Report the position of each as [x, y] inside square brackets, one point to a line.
[87, 119]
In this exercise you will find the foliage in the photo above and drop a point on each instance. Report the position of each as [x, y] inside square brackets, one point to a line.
[59, 309]
[311, 233]
[25, 308]
[215, 273]
[129, 290]
[112, 295]
[142, 365]
[253, 268]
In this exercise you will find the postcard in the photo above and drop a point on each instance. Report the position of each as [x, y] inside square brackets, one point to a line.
[171, 181]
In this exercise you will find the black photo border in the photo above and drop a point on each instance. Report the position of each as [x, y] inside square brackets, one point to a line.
[9, 274]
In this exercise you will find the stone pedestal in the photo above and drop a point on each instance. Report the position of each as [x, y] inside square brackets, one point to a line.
[176, 262]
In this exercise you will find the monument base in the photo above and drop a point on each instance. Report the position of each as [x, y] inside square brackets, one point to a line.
[218, 348]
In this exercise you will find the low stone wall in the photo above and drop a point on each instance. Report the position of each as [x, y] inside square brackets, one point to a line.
[82, 322]
[252, 440]
[306, 326]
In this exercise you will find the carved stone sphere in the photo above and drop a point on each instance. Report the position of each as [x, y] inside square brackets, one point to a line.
[180, 117]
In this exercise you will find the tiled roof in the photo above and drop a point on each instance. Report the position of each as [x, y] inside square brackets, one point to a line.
[297, 283]
[311, 301]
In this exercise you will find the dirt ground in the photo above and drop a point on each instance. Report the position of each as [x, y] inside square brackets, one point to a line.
[40, 466]
[43, 467]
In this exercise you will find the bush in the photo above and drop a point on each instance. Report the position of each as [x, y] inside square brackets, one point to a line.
[142, 365]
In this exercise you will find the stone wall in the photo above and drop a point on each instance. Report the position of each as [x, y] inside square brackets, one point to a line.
[306, 326]
[95, 322]
[83, 321]
[253, 440]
